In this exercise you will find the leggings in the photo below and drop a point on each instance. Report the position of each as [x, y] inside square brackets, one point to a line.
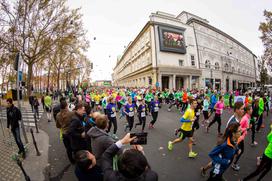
[241, 146]
[217, 118]
[154, 117]
[264, 167]
[142, 121]
[260, 122]
[130, 121]
[114, 122]
[253, 131]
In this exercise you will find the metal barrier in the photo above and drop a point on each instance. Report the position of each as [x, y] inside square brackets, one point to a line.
[34, 142]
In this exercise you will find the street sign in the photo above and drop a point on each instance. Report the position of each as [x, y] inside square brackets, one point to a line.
[20, 75]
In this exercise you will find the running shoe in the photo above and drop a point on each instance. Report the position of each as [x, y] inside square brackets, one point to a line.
[207, 129]
[192, 154]
[235, 167]
[203, 172]
[114, 136]
[125, 127]
[259, 159]
[170, 145]
[169, 110]
[254, 143]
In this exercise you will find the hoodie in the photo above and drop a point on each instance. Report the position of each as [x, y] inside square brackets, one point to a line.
[100, 141]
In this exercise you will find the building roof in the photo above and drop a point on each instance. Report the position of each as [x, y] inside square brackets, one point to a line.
[191, 20]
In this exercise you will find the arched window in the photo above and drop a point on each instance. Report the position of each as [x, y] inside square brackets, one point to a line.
[207, 64]
[216, 65]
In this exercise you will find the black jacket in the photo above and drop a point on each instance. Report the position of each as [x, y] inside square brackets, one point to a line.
[75, 130]
[110, 175]
[13, 117]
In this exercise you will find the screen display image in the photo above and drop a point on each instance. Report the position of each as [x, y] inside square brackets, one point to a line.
[172, 40]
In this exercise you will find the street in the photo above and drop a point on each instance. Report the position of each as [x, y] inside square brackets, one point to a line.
[170, 165]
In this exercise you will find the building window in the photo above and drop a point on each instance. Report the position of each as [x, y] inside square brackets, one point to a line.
[180, 62]
[216, 66]
[193, 60]
[226, 67]
[207, 64]
[233, 69]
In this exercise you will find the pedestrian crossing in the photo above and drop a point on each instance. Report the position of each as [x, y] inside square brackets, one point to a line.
[27, 115]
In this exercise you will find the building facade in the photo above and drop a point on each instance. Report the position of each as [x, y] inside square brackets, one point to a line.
[185, 51]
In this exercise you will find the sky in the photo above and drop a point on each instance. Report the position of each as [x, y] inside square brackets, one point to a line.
[112, 24]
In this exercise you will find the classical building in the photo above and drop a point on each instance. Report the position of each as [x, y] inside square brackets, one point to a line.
[184, 51]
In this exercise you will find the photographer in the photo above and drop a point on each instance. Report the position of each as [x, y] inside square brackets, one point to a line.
[132, 164]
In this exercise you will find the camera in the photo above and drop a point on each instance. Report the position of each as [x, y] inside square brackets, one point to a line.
[141, 138]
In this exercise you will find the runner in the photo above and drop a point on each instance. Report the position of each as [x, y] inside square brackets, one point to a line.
[222, 155]
[129, 111]
[186, 129]
[142, 112]
[206, 105]
[111, 112]
[219, 106]
[155, 106]
[244, 126]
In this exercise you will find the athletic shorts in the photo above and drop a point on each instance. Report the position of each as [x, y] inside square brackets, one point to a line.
[185, 134]
[47, 109]
[206, 114]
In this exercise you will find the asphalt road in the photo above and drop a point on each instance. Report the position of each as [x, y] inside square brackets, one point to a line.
[170, 165]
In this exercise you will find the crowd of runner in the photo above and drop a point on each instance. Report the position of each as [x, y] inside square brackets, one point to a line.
[86, 117]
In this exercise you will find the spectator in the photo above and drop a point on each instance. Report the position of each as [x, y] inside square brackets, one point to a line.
[76, 129]
[63, 120]
[100, 140]
[86, 168]
[13, 117]
[31, 101]
[36, 106]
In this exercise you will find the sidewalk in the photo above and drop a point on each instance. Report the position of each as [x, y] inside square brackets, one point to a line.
[34, 165]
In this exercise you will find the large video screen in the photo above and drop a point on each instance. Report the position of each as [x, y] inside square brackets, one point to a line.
[172, 40]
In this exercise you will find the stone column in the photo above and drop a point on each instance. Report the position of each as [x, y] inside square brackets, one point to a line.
[170, 82]
[174, 81]
[160, 80]
[189, 82]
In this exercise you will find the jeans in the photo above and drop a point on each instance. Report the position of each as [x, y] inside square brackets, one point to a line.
[69, 151]
[16, 134]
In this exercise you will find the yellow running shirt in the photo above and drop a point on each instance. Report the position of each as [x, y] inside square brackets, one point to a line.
[188, 115]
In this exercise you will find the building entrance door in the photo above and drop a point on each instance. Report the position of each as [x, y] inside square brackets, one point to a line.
[179, 83]
[165, 82]
[227, 85]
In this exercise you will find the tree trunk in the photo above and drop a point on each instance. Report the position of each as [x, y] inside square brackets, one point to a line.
[58, 79]
[48, 77]
[29, 78]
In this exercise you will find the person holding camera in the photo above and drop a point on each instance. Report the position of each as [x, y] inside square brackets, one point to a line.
[132, 164]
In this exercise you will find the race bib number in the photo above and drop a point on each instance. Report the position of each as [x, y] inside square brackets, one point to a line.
[142, 114]
[96, 102]
[197, 113]
[221, 111]
[113, 115]
[156, 109]
[130, 114]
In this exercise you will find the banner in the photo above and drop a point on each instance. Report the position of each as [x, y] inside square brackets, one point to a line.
[239, 99]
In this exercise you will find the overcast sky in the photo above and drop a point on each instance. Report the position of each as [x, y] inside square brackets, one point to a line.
[114, 23]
